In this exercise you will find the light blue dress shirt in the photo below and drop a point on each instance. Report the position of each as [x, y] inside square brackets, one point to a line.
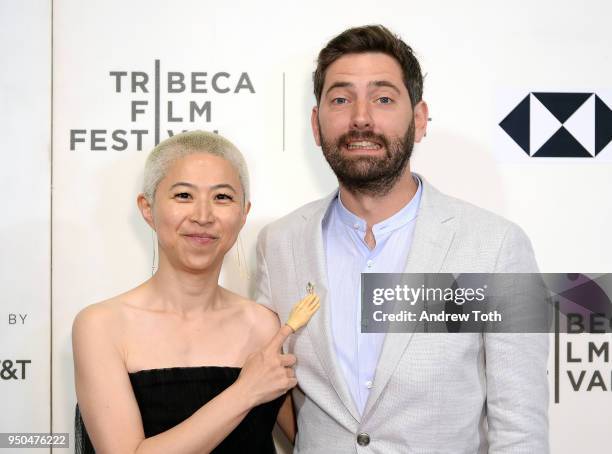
[347, 257]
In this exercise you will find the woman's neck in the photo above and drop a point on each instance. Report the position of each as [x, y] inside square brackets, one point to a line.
[185, 292]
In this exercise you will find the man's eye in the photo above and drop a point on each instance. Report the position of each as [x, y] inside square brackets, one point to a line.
[182, 196]
[385, 100]
[224, 197]
[339, 101]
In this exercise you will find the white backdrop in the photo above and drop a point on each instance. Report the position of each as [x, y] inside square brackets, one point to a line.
[474, 53]
[25, 236]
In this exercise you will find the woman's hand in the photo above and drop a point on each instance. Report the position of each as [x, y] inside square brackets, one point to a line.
[268, 374]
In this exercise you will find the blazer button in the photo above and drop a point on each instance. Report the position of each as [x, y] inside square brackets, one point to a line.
[363, 439]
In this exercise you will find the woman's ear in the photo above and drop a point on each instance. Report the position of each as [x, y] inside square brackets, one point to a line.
[247, 208]
[146, 210]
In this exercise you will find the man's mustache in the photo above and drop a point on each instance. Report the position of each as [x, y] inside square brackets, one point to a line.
[369, 136]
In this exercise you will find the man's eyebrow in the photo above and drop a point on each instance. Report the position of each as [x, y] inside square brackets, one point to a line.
[338, 84]
[384, 83]
[374, 83]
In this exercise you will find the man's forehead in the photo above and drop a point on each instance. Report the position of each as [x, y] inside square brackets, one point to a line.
[366, 67]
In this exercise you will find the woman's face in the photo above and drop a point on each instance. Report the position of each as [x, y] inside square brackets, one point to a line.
[198, 211]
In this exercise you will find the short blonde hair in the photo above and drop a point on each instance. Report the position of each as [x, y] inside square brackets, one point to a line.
[170, 150]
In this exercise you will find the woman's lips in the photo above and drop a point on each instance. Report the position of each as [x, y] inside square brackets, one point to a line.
[201, 239]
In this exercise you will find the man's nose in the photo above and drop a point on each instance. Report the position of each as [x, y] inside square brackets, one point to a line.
[361, 116]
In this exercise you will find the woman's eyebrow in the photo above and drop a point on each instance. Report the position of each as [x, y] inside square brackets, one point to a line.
[213, 187]
[183, 183]
[223, 185]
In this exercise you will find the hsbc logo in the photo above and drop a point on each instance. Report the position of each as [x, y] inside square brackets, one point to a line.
[560, 125]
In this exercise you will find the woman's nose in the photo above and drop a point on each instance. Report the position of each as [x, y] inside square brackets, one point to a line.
[203, 212]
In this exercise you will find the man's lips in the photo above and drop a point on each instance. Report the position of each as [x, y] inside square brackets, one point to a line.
[362, 145]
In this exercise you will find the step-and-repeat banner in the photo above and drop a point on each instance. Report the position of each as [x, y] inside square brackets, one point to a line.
[519, 95]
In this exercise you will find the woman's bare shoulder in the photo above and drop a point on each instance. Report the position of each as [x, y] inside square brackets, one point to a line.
[104, 320]
[101, 312]
[263, 323]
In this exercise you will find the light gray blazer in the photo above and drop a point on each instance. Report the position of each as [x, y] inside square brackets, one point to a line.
[433, 393]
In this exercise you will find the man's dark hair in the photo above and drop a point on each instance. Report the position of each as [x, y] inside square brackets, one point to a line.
[371, 38]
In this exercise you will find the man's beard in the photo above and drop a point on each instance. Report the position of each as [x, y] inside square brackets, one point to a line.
[371, 175]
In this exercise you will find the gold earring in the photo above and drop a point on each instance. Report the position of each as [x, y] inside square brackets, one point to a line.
[154, 244]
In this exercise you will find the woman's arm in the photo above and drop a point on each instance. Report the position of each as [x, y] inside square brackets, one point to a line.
[110, 411]
[299, 316]
[286, 419]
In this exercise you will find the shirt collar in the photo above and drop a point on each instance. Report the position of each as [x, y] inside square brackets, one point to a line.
[405, 215]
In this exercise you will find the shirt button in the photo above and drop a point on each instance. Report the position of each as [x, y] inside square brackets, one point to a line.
[363, 439]
[370, 263]
[355, 225]
[369, 384]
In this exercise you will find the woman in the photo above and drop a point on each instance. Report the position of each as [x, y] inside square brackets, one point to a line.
[179, 364]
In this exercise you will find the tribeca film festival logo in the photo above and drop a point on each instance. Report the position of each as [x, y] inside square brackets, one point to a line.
[583, 313]
[560, 125]
[151, 93]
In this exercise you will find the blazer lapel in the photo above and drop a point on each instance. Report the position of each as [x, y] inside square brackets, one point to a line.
[310, 263]
[433, 235]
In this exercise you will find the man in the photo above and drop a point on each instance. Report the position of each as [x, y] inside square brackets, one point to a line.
[399, 392]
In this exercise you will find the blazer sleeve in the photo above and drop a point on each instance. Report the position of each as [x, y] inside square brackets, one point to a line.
[263, 291]
[516, 375]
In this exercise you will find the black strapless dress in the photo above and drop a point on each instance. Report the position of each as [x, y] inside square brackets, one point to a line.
[166, 397]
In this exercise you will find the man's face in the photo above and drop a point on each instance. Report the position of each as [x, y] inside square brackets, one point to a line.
[365, 123]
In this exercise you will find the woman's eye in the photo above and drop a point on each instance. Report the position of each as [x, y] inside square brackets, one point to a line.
[182, 196]
[224, 197]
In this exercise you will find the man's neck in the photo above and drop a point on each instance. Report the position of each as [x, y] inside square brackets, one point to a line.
[374, 209]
